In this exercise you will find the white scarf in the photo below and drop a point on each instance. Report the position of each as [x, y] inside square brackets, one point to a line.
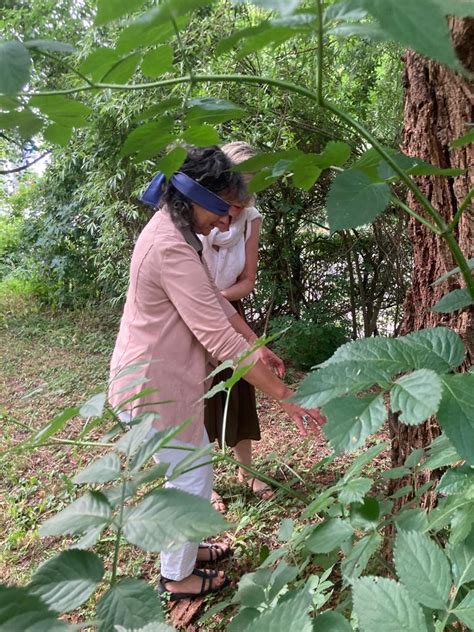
[227, 263]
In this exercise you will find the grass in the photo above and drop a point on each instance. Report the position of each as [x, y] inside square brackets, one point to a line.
[52, 361]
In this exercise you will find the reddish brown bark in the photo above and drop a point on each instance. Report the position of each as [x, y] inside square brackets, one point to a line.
[438, 108]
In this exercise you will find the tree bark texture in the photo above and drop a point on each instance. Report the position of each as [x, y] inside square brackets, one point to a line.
[438, 108]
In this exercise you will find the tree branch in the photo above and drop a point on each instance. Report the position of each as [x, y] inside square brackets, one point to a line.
[23, 167]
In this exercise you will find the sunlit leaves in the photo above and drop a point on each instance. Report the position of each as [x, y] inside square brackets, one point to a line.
[62, 110]
[161, 520]
[68, 579]
[416, 395]
[57, 134]
[108, 10]
[130, 603]
[453, 301]
[158, 61]
[355, 200]
[383, 604]
[148, 139]
[423, 568]
[172, 161]
[15, 65]
[350, 420]
[212, 110]
[456, 413]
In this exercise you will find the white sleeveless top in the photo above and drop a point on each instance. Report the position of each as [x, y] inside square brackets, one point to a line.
[227, 263]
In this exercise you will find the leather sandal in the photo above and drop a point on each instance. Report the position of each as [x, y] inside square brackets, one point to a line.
[207, 578]
[217, 553]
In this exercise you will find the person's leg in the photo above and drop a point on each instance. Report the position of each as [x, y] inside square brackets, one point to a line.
[178, 565]
[243, 454]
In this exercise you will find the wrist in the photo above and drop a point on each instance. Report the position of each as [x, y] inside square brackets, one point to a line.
[285, 393]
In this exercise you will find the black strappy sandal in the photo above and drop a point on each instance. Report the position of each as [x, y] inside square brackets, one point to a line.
[216, 554]
[206, 577]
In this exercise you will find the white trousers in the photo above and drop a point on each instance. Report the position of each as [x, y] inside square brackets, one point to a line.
[179, 563]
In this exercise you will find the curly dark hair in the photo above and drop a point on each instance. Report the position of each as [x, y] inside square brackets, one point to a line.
[211, 168]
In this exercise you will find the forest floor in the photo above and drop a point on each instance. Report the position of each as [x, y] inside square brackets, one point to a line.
[50, 362]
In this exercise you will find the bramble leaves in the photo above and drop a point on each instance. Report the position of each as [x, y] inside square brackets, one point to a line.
[453, 301]
[330, 621]
[15, 65]
[161, 520]
[356, 562]
[355, 200]
[465, 610]
[328, 536]
[67, 580]
[89, 511]
[350, 420]
[456, 413]
[101, 470]
[423, 568]
[384, 604]
[22, 610]
[130, 603]
[416, 395]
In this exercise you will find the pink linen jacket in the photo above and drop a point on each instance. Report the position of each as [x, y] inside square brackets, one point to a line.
[175, 317]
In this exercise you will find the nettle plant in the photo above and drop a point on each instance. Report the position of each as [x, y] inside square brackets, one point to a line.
[429, 585]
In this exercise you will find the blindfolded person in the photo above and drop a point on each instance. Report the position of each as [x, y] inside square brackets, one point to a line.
[174, 320]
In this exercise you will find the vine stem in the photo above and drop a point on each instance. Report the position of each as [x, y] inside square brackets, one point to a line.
[463, 206]
[414, 214]
[119, 536]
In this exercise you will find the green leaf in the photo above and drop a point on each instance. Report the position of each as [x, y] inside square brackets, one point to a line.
[132, 440]
[94, 407]
[421, 26]
[456, 413]
[367, 30]
[331, 622]
[171, 163]
[90, 537]
[328, 535]
[261, 181]
[281, 576]
[445, 510]
[99, 62]
[145, 31]
[462, 558]
[354, 490]
[465, 139]
[358, 464]
[201, 135]
[53, 426]
[335, 153]
[211, 110]
[27, 123]
[417, 396]
[51, 45]
[285, 7]
[440, 453]
[164, 106]
[153, 444]
[461, 8]
[148, 139]
[157, 62]
[22, 611]
[91, 510]
[108, 10]
[305, 173]
[365, 515]
[286, 529]
[412, 520]
[350, 420]
[123, 70]
[462, 522]
[457, 480]
[101, 470]
[356, 562]
[131, 603]
[423, 568]
[58, 134]
[470, 263]
[251, 590]
[396, 472]
[453, 301]
[415, 457]
[68, 579]
[161, 520]
[290, 614]
[15, 64]
[62, 110]
[384, 604]
[465, 610]
[355, 200]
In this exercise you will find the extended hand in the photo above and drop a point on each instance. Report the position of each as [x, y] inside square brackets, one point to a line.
[273, 362]
[306, 420]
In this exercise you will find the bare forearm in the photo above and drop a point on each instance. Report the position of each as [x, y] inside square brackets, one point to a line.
[239, 290]
[266, 381]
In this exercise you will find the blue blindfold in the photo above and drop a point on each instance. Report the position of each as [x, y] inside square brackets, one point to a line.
[189, 188]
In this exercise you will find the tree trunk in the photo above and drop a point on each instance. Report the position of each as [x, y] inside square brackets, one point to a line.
[438, 109]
